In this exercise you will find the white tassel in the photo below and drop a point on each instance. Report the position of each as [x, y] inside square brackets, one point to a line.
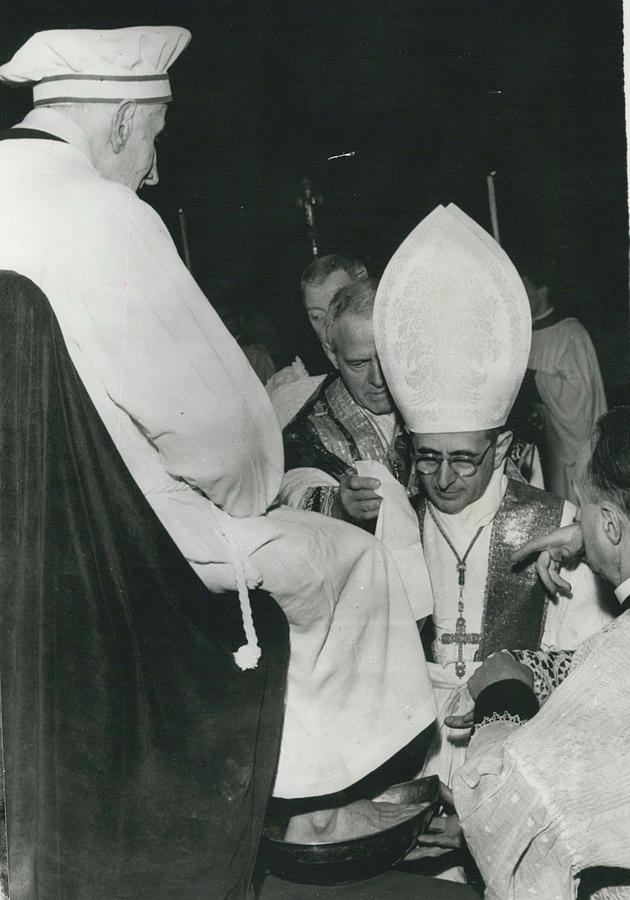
[247, 655]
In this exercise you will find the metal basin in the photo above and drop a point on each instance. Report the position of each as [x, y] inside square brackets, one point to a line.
[343, 862]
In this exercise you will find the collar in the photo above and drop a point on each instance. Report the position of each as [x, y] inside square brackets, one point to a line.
[544, 315]
[53, 122]
[480, 512]
[385, 425]
[622, 592]
[551, 317]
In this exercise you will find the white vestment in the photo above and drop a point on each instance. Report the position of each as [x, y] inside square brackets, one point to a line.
[543, 801]
[569, 619]
[570, 386]
[197, 431]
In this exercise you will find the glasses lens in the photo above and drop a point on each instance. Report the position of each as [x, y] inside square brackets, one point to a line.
[463, 467]
[427, 465]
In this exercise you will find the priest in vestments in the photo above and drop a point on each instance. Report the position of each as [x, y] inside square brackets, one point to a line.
[564, 382]
[185, 410]
[350, 418]
[452, 328]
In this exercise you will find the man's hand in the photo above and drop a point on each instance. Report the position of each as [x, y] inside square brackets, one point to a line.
[555, 548]
[444, 830]
[357, 498]
[465, 721]
[499, 666]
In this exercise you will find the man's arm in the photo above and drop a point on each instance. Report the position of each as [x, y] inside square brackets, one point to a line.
[553, 549]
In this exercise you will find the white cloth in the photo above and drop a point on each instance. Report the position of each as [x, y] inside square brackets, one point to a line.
[540, 802]
[289, 390]
[569, 619]
[452, 326]
[622, 591]
[195, 427]
[570, 386]
[397, 527]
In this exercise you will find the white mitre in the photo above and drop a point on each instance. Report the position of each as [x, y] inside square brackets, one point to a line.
[82, 65]
[452, 326]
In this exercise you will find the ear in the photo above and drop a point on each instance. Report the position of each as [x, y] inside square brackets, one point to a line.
[612, 522]
[502, 446]
[330, 353]
[122, 124]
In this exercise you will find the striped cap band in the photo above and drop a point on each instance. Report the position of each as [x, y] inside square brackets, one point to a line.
[102, 89]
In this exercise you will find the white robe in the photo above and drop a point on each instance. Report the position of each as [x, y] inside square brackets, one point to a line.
[541, 802]
[570, 386]
[569, 619]
[198, 433]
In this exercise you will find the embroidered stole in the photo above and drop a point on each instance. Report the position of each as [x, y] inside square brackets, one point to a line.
[515, 602]
[342, 428]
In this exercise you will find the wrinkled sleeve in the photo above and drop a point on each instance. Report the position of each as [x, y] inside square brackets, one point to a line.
[507, 827]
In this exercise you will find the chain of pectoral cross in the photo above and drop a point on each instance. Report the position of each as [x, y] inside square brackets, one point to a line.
[460, 636]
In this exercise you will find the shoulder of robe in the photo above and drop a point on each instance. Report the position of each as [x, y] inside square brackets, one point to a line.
[571, 331]
[114, 214]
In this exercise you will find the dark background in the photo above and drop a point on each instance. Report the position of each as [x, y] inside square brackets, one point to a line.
[431, 97]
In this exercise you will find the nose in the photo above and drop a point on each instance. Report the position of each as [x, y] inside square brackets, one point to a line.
[376, 374]
[153, 177]
[445, 475]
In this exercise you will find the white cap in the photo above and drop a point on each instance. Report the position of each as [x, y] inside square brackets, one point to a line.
[452, 326]
[81, 65]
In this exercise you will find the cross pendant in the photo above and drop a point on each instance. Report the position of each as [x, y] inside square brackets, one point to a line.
[460, 637]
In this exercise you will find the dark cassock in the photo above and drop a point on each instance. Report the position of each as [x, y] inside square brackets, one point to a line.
[138, 757]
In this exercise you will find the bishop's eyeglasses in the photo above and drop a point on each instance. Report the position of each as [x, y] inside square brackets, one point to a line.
[465, 466]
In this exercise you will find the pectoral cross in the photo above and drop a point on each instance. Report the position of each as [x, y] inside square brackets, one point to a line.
[460, 637]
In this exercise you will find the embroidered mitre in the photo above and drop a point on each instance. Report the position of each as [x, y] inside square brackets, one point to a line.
[452, 326]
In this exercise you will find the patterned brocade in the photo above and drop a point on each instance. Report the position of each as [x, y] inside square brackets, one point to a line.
[515, 603]
[319, 500]
[332, 431]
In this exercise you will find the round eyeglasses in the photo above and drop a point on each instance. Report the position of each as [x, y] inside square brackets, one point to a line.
[429, 463]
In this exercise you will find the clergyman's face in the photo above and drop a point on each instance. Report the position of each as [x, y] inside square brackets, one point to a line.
[317, 299]
[448, 491]
[535, 296]
[149, 121]
[356, 358]
[599, 550]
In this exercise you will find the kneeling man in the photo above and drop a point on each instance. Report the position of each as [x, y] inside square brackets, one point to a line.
[545, 803]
